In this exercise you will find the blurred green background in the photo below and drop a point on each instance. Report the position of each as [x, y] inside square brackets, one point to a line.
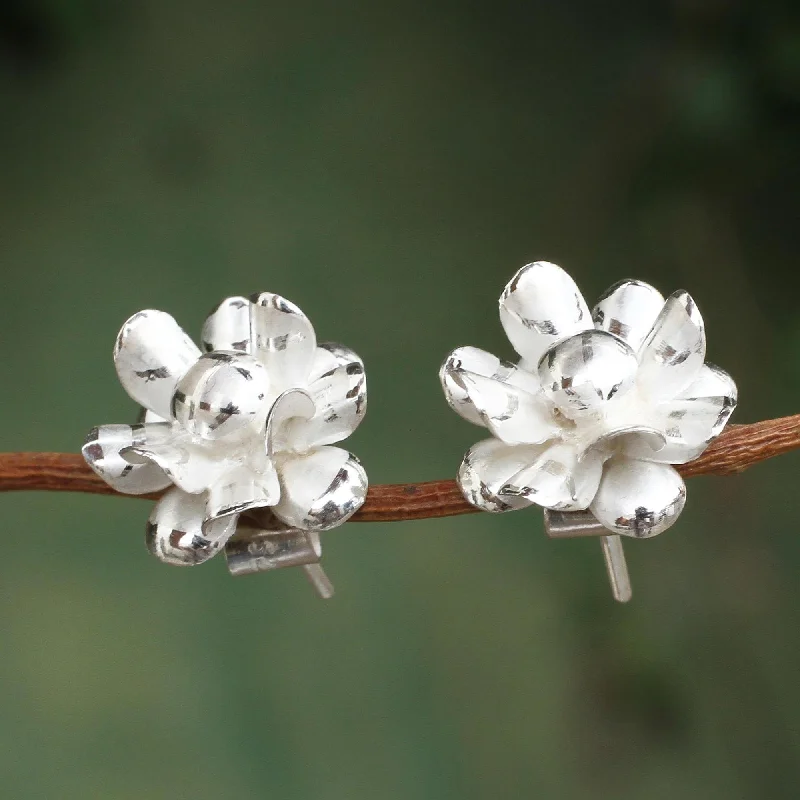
[388, 166]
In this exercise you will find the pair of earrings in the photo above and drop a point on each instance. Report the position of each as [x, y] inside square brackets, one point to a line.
[243, 436]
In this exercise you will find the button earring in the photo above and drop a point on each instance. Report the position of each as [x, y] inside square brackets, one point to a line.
[591, 419]
[240, 436]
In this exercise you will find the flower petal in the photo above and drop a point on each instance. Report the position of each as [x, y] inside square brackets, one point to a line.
[489, 392]
[674, 452]
[638, 498]
[178, 532]
[485, 470]
[509, 413]
[623, 435]
[692, 419]
[709, 401]
[560, 478]
[628, 310]
[243, 489]
[228, 326]
[338, 388]
[293, 406]
[283, 339]
[674, 351]
[540, 306]
[102, 452]
[192, 466]
[146, 415]
[320, 490]
[479, 362]
[151, 355]
[268, 327]
[223, 394]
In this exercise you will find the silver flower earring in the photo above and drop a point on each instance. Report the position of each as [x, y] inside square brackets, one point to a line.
[243, 433]
[599, 407]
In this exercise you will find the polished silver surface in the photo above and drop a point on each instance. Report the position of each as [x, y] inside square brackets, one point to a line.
[674, 350]
[572, 524]
[498, 395]
[560, 478]
[597, 408]
[103, 453]
[257, 549]
[243, 489]
[638, 498]
[628, 310]
[321, 490]
[179, 532]
[222, 394]
[586, 371]
[247, 425]
[293, 405]
[266, 550]
[617, 568]
[696, 415]
[540, 306]
[486, 469]
[151, 354]
[338, 387]
[319, 580]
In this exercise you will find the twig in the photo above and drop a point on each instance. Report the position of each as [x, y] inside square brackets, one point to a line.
[739, 447]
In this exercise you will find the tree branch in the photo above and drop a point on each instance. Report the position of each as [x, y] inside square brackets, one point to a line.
[736, 449]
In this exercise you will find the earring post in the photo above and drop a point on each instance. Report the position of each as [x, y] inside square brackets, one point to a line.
[581, 524]
[319, 580]
[617, 568]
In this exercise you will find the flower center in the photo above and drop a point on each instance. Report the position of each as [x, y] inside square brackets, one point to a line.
[223, 393]
[587, 370]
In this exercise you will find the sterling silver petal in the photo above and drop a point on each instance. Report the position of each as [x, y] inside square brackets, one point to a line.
[151, 354]
[560, 478]
[629, 310]
[228, 326]
[191, 464]
[541, 305]
[586, 371]
[292, 406]
[283, 339]
[338, 389]
[705, 406]
[511, 414]
[222, 394]
[671, 356]
[269, 327]
[243, 489]
[320, 490]
[178, 532]
[691, 420]
[487, 467]
[103, 453]
[638, 498]
[472, 360]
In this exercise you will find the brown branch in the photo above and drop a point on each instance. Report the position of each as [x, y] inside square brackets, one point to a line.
[739, 447]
